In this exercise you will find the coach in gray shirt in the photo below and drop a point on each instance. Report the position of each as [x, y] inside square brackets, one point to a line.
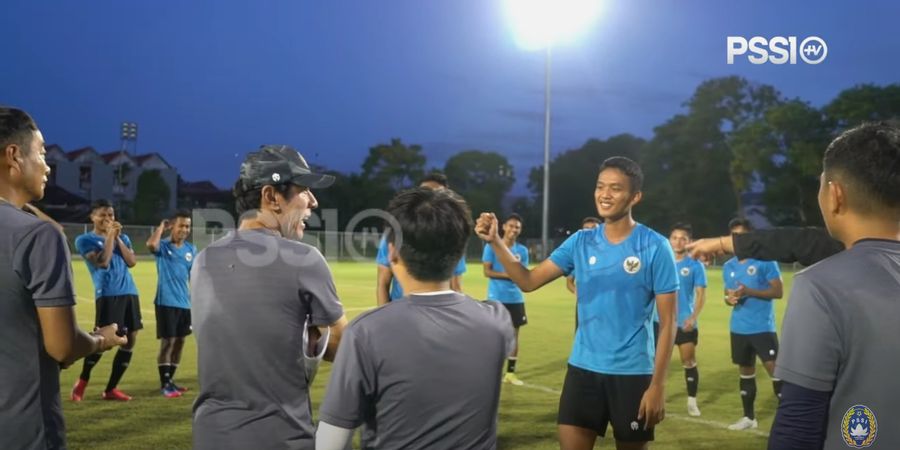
[254, 292]
[422, 372]
[840, 354]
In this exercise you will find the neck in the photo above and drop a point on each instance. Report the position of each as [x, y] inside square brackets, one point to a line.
[421, 287]
[13, 196]
[509, 242]
[618, 229]
[870, 229]
[680, 255]
[255, 224]
[176, 243]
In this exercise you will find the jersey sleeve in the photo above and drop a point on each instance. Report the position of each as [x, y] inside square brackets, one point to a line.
[351, 387]
[43, 263]
[382, 257]
[665, 274]
[524, 256]
[487, 256]
[460, 266]
[564, 255]
[772, 271]
[317, 286]
[85, 245]
[126, 240]
[810, 348]
[699, 274]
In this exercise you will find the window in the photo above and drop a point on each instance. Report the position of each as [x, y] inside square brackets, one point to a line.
[84, 178]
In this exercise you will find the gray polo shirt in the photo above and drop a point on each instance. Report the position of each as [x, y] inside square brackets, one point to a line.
[841, 334]
[35, 272]
[251, 293]
[422, 373]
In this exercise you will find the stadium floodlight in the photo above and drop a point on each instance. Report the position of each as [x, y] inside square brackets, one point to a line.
[538, 25]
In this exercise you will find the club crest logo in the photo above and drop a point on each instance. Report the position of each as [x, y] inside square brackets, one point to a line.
[189, 257]
[685, 271]
[632, 265]
[859, 427]
[751, 270]
[276, 177]
[592, 260]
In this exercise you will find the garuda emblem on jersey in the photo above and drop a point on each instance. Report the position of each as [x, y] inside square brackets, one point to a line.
[685, 271]
[188, 257]
[859, 427]
[632, 264]
[751, 270]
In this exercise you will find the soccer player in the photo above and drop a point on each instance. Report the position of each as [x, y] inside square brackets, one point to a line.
[750, 287]
[109, 256]
[840, 341]
[501, 289]
[621, 267]
[174, 258]
[588, 223]
[419, 372]
[37, 297]
[691, 298]
[387, 287]
[255, 293]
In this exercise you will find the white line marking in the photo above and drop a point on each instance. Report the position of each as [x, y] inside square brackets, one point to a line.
[711, 423]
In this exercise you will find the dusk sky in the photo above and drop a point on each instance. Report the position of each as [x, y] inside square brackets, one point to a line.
[208, 81]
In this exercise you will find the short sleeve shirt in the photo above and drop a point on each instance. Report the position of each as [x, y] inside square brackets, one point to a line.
[504, 291]
[173, 268]
[35, 272]
[114, 280]
[752, 315]
[252, 292]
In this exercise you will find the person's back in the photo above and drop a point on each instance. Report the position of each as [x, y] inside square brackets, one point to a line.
[430, 365]
[251, 292]
[853, 320]
[30, 412]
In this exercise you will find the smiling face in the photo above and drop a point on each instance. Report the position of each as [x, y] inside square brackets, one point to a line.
[679, 239]
[613, 195]
[512, 228]
[102, 218]
[181, 229]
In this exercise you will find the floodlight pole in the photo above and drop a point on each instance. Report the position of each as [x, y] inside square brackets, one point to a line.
[546, 210]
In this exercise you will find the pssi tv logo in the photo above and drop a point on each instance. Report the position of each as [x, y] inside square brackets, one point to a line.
[777, 50]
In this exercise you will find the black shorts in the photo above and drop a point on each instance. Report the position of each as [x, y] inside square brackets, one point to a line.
[593, 400]
[517, 314]
[681, 336]
[745, 346]
[172, 322]
[122, 310]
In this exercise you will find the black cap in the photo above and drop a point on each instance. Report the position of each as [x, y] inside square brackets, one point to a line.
[279, 164]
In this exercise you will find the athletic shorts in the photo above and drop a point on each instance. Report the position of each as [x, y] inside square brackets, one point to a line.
[122, 310]
[594, 400]
[172, 322]
[681, 336]
[517, 314]
[745, 346]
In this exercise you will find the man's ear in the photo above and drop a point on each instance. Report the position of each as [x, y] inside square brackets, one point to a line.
[393, 254]
[837, 197]
[637, 198]
[270, 198]
[13, 156]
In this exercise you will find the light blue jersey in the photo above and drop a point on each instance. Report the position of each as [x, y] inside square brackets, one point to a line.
[691, 275]
[114, 280]
[752, 315]
[173, 268]
[617, 285]
[504, 291]
[383, 260]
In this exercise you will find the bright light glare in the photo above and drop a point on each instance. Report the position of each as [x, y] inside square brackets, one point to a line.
[540, 23]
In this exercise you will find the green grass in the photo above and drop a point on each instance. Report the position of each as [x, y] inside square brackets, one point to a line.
[527, 415]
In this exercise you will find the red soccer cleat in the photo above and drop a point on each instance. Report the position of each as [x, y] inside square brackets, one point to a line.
[78, 390]
[115, 394]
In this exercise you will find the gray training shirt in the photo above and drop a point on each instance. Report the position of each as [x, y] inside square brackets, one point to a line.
[251, 293]
[35, 272]
[840, 334]
[422, 373]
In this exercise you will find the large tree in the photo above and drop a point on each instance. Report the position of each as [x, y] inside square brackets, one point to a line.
[482, 178]
[152, 198]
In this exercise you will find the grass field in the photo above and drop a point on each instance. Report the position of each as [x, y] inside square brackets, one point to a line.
[527, 413]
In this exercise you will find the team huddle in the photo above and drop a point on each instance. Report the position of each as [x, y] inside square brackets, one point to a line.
[411, 372]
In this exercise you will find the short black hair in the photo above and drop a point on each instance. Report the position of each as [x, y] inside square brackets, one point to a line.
[436, 177]
[684, 226]
[434, 228]
[100, 203]
[739, 222]
[630, 168]
[247, 198]
[867, 160]
[591, 219]
[513, 216]
[16, 128]
[182, 213]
